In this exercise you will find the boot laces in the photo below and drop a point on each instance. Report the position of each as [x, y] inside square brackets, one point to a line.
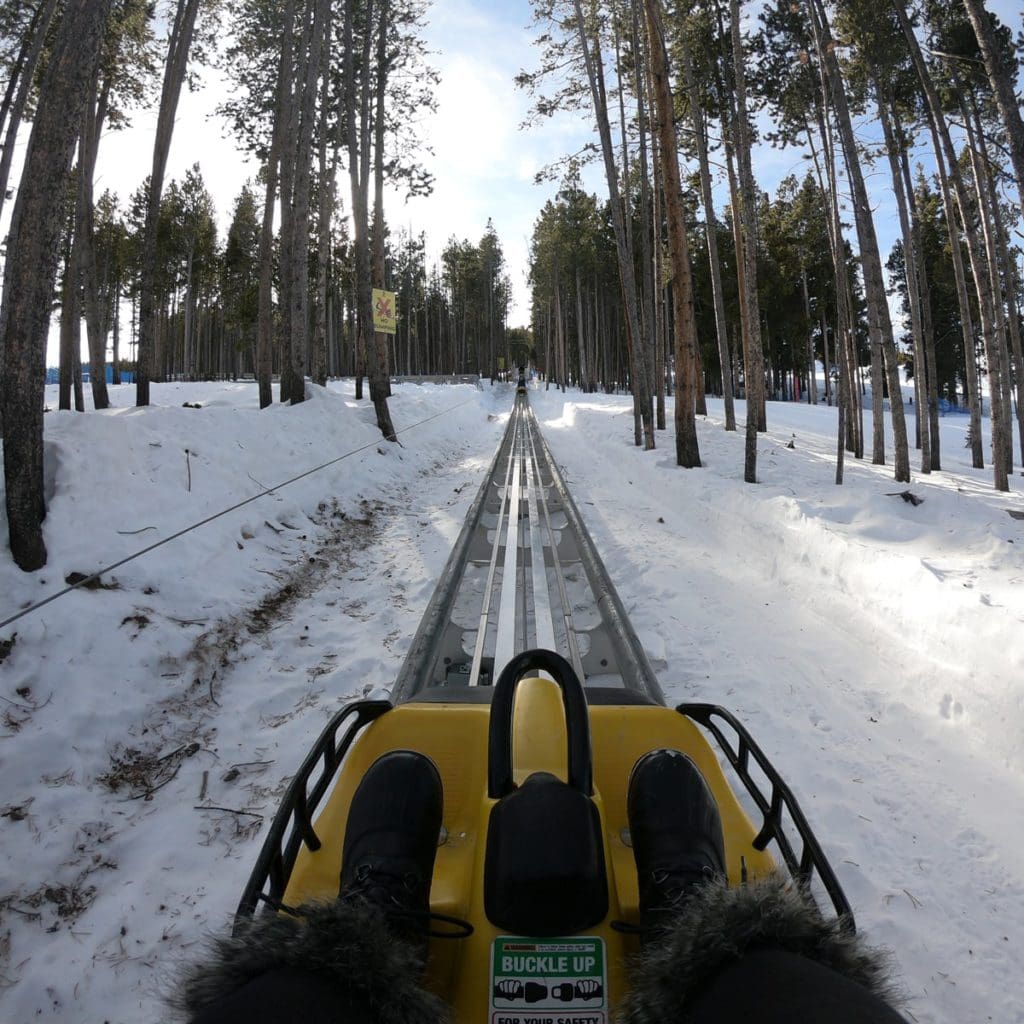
[384, 888]
[675, 888]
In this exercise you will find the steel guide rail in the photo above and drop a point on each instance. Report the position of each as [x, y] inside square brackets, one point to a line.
[524, 528]
[526, 495]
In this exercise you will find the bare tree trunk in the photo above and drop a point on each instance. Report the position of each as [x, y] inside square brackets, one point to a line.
[747, 252]
[307, 87]
[358, 116]
[627, 214]
[380, 382]
[547, 349]
[115, 349]
[845, 330]
[981, 281]
[580, 343]
[31, 269]
[988, 204]
[924, 291]
[687, 447]
[286, 235]
[638, 356]
[845, 390]
[914, 275]
[559, 340]
[660, 320]
[812, 373]
[174, 75]
[92, 122]
[265, 324]
[655, 381]
[1013, 319]
[701, 142]
[661, 374]
[963, 301]
[879, 321]
[68, 312]
[328, 175]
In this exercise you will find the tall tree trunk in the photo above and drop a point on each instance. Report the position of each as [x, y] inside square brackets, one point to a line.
[914, 275]
[963, 301]
[715, 266]
[115, 349]
[981, 281]
[687, 447]
[627, 213]
[380, 378]
[180, 43]
[747, 251]
[265, 323]
[812, 372]
[307, 87]
[357, 108]
[580, 344]
[879, 321]
[924, 291]
[1013, 319]
[286, 235]
[988, 203]
[92, 123]
[655, 381]
[328, 175]
[845, 390]
[31, 268]
[638, 355]
[68, 336]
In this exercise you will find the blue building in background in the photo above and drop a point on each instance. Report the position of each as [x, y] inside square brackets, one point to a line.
[127, 376]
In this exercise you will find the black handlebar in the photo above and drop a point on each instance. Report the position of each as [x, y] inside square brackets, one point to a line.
[577, 721]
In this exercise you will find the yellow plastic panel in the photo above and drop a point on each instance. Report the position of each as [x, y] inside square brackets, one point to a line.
[455, 737]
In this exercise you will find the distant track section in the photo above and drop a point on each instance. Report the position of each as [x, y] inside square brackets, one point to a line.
[524, 573]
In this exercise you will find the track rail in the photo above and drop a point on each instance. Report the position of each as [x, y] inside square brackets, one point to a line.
[524, 573]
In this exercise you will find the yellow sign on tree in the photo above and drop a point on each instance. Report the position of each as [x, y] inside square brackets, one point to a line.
[385, 316]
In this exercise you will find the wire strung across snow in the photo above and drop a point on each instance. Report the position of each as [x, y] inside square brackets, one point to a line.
[94, 578]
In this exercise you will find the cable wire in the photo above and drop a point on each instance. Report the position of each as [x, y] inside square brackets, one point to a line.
[217, 515]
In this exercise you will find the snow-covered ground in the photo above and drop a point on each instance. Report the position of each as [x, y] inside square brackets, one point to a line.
[148, 729]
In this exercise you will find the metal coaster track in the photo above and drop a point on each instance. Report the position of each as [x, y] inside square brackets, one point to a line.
[524, 573]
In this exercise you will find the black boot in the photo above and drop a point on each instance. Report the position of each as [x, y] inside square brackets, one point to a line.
[676, 831]
[391, 838]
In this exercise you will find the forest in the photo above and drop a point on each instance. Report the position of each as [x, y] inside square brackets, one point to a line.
[684, 278]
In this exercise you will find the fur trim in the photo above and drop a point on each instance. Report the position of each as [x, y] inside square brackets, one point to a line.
[349, 942]
[718, 925]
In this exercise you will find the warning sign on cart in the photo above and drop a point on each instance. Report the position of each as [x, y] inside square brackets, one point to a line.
[549, 981]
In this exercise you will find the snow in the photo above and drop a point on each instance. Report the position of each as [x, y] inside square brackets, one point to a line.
[872, 647]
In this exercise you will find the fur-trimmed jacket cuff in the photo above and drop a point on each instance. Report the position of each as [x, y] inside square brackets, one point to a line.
[346, 942]
[718, 925]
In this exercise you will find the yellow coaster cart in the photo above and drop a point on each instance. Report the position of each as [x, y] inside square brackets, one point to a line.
[502, 853]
